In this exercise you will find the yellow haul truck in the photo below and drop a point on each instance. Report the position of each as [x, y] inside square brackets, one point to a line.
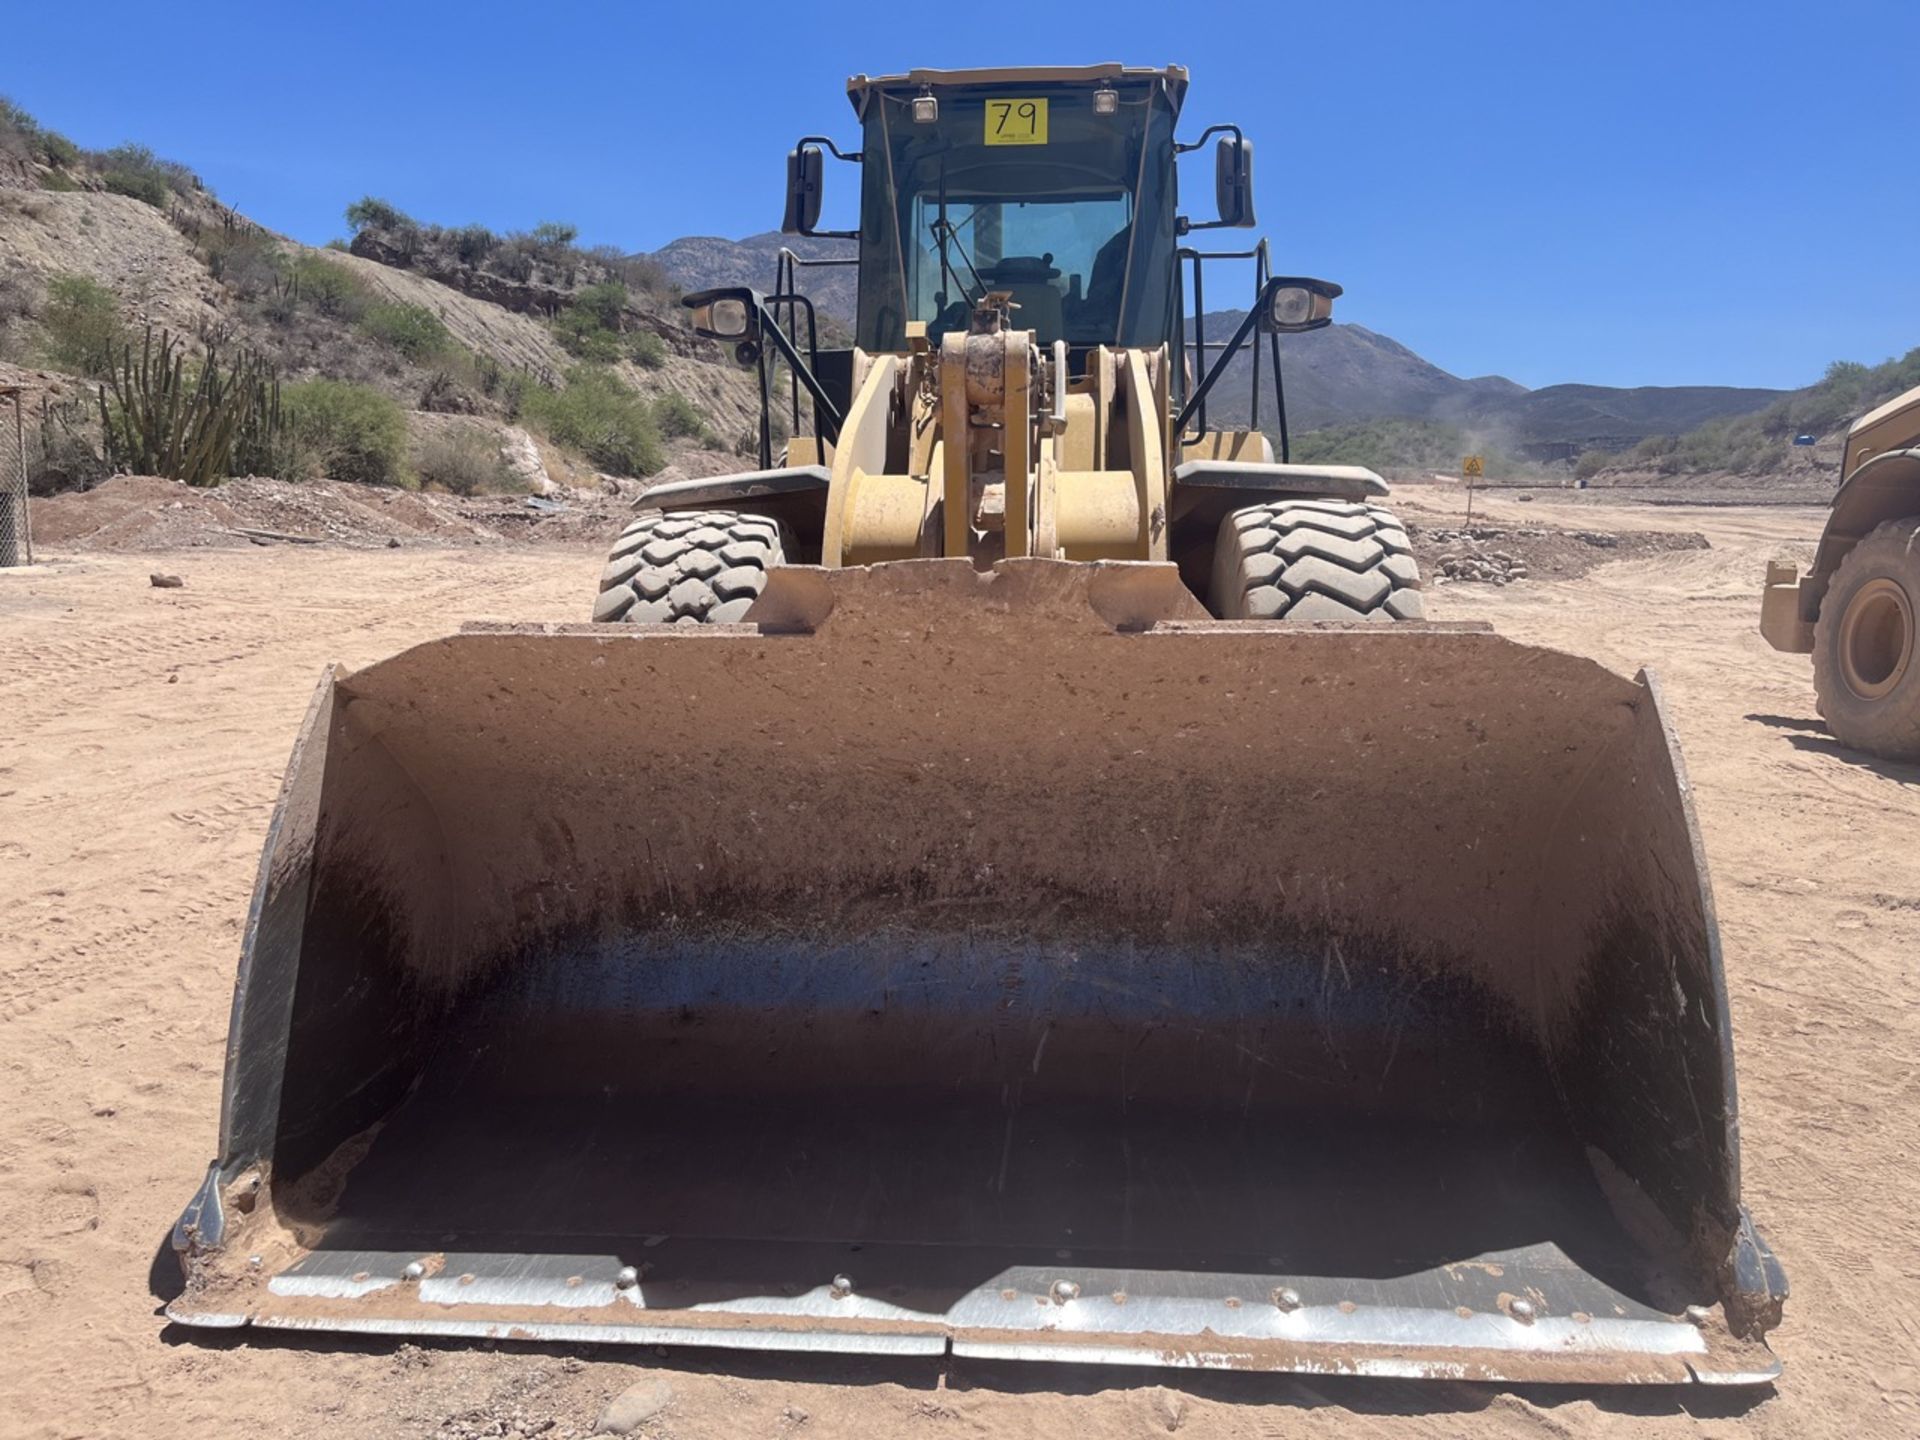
[1855, 609]
[1014, 875]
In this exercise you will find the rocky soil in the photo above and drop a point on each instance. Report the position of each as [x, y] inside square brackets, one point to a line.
[1491, 554]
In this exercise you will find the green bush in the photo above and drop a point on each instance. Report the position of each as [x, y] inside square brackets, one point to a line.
[346, 432]
[22, 134]
[677, 418]
[582, 336]
[246, 259]
[473, 243]
[601, 418]
[135, 170]
[83, 326]
[1590, 464]
[330, 287]
[415, 331]
[555, 235]
[647, 350]
[589, 328]
[59, 150]
[58, 180]
[606, 302]
[371, 211]
[464, 461]
[150, 188]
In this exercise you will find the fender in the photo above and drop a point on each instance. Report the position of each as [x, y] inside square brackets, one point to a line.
[1885, 487]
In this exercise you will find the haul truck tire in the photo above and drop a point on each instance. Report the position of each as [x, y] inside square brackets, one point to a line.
[1315, 560]
[1866, 644]
[701, 567]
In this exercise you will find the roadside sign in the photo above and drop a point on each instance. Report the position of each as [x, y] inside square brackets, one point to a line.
[1473, 466]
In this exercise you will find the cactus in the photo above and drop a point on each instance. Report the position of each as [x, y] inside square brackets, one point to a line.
[191, 424]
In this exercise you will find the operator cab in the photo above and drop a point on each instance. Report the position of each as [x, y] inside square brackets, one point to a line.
[1053, 187]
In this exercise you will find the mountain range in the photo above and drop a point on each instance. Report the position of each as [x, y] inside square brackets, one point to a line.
[1342, 375]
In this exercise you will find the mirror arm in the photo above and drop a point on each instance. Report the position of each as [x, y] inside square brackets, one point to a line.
[855, 156]
[1206, 135]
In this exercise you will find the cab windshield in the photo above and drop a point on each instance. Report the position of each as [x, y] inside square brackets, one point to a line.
[1073, 218]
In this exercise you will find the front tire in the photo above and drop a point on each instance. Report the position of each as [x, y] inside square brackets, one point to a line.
[699, 567]
[1315, 560]
[1866, 644]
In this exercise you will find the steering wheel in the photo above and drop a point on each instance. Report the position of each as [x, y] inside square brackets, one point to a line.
[951, 317]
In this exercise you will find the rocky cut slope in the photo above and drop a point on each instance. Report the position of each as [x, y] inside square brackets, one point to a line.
[96, 246]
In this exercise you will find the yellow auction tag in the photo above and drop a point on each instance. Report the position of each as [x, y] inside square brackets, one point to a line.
[1016, 122]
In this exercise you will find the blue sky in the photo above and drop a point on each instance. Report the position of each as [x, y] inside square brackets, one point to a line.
[1622, 193]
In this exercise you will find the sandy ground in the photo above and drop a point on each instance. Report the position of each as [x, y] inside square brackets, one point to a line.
[142, 737]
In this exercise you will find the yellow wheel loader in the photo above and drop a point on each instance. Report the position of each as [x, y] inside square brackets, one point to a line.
[1012, 876]
[1858, 609]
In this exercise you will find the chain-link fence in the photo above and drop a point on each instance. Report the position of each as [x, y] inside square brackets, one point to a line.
[16, 532]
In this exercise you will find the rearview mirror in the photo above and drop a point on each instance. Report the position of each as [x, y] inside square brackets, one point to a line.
[1233, 180]
[730, 314]
[805, 166]
[1295, 304]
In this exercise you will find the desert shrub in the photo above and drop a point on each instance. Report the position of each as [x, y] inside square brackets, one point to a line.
[19, 297]
[582, 336]
[346, 432]
[150, 188]
[329, 287]
[58, 150]
[555, 235]
[61, 449]
[605, 302]
[648, 350]
[21, 134]
[512, 262]
[1590, 464]
[465, 461]
[473, 243]
[677, 417]
[19, 131]
[135, 170]
[415, 331]
[601, 418]
[245, 259]
[82, 322]
[371, 211]
[589, 328]
[58, 180]
[1656, 452]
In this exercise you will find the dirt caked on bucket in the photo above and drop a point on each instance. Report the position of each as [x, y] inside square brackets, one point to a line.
[1014, 965]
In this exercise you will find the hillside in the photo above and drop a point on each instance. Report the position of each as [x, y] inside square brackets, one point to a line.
[1761, 444]
[700, 262]
[449, 357]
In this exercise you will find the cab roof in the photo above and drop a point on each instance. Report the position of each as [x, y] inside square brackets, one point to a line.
[1173, 78]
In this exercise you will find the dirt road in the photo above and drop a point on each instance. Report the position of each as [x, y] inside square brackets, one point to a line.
[142, 736]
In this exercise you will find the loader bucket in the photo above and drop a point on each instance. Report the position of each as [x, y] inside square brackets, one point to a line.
[1012, 965]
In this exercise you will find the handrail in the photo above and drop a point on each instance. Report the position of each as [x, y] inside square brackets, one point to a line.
[1194, 406]
[786, 286]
